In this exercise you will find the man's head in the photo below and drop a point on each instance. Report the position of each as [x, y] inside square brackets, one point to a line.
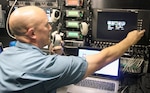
[30, 24]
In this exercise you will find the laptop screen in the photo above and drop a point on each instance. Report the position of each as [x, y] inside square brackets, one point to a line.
[111, 69]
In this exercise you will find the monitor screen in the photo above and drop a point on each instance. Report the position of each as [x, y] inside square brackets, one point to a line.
[114, 26]
[111, 69]
[48, 13]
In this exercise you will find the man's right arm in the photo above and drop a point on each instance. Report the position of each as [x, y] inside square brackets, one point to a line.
[109, 54]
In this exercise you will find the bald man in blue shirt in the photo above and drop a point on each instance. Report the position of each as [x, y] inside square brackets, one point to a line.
[25, 68]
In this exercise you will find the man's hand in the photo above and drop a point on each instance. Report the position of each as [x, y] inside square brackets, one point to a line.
[56, 49]
[134, 36]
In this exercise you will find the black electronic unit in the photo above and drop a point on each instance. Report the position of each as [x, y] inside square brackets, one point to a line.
[112, 25]
[40, 3]
[1, 47]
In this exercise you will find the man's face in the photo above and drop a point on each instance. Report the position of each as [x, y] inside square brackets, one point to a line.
[43, 33]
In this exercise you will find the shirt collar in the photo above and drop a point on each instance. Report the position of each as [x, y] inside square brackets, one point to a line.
[28, 46]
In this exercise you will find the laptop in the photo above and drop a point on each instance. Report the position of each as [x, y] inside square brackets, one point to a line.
[105, 80]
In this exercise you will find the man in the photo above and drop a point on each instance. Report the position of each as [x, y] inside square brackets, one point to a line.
[24, 68]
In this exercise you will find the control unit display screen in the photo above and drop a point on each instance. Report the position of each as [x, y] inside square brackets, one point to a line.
[114, 26]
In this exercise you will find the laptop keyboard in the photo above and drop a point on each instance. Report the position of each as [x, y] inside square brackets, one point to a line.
[97, 84]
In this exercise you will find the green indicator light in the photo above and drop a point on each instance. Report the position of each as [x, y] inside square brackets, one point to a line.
[73, 13]
[81, 14]
[73, 34]
[73, 24]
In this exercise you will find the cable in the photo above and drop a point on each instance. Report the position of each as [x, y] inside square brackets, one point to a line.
[7, 28]
[124, 89]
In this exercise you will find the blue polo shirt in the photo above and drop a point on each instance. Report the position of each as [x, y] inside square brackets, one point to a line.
[24, 68]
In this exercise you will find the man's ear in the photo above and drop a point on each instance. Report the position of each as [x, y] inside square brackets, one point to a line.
[31, 33]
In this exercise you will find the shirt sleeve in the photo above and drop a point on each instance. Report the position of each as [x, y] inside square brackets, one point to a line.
[66, 70]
